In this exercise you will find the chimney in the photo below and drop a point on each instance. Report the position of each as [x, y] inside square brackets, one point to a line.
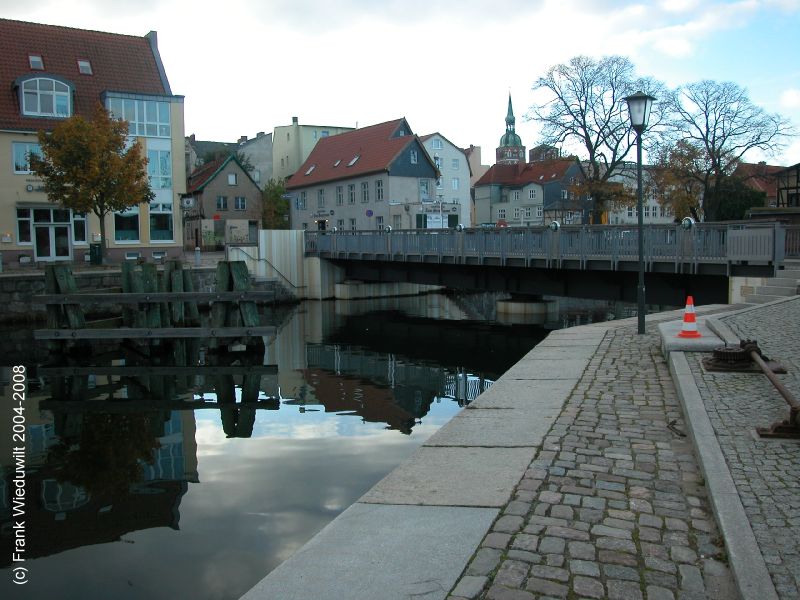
[294, 120]
[243, 139]
[191, 138]
[260, 134]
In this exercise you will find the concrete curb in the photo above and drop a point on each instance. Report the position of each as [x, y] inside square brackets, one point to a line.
[746, 561]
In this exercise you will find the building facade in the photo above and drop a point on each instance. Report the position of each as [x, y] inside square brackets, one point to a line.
[222, 206]
[50, 73]
[453, 184]
[529, 194]
[654, 212]
[369, 178]
[292, 144]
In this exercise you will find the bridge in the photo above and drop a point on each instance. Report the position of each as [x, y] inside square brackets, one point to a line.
[594, 261]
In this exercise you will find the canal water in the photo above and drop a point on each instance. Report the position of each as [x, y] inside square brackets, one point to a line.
[185, 472]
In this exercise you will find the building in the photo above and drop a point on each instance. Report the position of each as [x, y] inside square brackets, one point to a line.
[523, 194]
[198, 152]
[511, 150]
[788, 187]
[49, 73]
[222, 205]
[453, 183]
[654, 212]
[367, 179]
[292, 144]
[760, 177]
[257, 152]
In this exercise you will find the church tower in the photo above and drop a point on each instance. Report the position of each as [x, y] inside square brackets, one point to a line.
[510, 150]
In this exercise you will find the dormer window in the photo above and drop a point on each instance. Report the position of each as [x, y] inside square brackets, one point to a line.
[354, 161]
[336, 164]
[310, 169]
[84, 67]
[45, 97]
[36, 62]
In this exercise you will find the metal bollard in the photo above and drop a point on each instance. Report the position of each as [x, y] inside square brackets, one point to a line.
[197, 257]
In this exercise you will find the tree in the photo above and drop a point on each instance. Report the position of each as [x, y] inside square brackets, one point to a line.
[736, 198]
[275, 211]
[244, 159]
[586, 107]
[682, 194]
[720, 124]
[88, 166]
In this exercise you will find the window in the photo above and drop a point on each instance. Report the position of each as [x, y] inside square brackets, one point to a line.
[305, 226]
[532, 194]
[301, 202]
[159, 168]
[528, 212]
[501, 213]
[455, 183]
[436, 144]
[233, 179]
[240, 203]
[455, 163]
[321, 198]
[44, 97]
[412, 155]
[396, 221]
[36, 62]
[354, 160]
[22, 154]
[145, 117]
[79, 228]
[517, 213]
[630, 211]
[339, 195]
[310, 169]
[351, 193]
[222, 203]
[23, 225]
[126, 225]
[339, 224]
[424, 191]
[539, 212]
[439, 183]
[378, 190]
[352, 224]
[84, 67]
[647, 212]
[161, 222]
[516, 194]
[364, 191]
[437, 161]
[337, 163]
[324, 133]
[378, 222]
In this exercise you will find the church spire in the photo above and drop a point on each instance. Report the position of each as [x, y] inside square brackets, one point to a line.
[510, 120]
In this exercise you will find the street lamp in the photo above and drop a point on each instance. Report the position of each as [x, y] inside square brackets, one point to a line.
[639, 105]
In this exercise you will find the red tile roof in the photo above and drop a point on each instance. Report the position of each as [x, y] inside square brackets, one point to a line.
[760, 177]
[374, 145]
[202, 175]
[520, 174]
[120, 63]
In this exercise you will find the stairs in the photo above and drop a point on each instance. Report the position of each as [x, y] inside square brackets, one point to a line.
[780, 287]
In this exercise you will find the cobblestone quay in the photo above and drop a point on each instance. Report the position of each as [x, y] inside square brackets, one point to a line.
[766, 473]
[613, 505]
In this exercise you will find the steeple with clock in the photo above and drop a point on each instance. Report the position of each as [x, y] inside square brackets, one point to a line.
[510, 150]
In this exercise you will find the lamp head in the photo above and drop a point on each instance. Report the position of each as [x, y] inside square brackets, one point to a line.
[639, 105]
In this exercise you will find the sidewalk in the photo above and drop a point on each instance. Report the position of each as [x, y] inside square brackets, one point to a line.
[589, 470]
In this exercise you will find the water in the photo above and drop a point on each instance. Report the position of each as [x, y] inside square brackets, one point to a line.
[128, 499]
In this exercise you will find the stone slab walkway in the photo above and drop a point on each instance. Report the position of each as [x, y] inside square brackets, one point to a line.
[613, 505]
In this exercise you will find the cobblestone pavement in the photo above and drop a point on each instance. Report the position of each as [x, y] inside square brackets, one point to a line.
[766, 473]
[613, 505]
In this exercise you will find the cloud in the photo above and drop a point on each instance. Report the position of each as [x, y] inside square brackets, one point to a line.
[790, 99]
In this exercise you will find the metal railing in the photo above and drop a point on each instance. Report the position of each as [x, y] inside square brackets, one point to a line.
[569, 247]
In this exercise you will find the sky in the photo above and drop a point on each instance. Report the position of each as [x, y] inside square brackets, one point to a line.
[246, 66]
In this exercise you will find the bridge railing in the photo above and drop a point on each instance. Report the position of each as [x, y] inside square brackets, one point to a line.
[720, 243]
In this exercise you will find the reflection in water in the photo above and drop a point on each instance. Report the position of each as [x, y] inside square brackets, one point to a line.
[141, 483]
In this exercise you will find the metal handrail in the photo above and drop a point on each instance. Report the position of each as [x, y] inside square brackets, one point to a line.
[721, 243]
[268, 263]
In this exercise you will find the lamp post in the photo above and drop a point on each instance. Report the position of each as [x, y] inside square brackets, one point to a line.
[639, 105]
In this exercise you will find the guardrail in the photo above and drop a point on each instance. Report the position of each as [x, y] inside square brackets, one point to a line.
[610, 247]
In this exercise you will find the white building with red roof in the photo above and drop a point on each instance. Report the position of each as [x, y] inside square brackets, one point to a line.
[49, 73]
[453, 183]
[368, 179]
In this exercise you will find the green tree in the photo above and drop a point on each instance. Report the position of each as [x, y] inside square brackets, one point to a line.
[720, 124]
[87, 165]
[584, 106]
[736, 198]
[671, 185]
[275, 211]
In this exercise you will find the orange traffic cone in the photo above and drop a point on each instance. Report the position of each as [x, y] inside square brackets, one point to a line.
[689, 321]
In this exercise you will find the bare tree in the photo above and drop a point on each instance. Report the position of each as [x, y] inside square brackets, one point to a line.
[721, 124]
[586, 107]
